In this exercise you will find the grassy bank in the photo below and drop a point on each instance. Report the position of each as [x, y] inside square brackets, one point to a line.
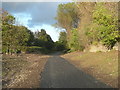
[101, 65]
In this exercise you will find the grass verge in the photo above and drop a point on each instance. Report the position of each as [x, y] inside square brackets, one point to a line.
[101, 65]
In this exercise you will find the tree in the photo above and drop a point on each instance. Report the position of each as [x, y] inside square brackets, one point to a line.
[63, 38]
[67, 17]
[61, 44]
[104, 27]
[31, 40]
[74, 43]
[7, 21]
[14, 38]
[44, 40]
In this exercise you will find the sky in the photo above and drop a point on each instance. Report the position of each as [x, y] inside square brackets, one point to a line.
[35, 15]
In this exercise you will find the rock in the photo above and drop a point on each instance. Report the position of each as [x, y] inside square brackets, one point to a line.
[117, 46]
[97, 48]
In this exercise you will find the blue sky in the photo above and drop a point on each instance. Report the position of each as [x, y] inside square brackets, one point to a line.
[35, 15]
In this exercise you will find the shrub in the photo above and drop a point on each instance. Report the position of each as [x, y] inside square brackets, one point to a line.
[36, 49]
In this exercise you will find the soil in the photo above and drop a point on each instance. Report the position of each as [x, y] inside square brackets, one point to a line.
[29, 76]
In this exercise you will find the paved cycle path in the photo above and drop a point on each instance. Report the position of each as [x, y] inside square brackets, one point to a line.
[59, 73]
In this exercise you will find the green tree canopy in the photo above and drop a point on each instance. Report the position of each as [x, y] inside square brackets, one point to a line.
[14, 38]
[43, 39]
[67, 16]
[104, 27]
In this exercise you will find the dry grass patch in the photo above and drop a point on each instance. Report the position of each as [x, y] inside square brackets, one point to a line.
[101, 65]
[26, 68]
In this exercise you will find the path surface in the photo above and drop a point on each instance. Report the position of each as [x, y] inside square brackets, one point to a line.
[59, 73]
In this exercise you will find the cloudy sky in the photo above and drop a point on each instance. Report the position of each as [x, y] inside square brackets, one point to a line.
[35, 15]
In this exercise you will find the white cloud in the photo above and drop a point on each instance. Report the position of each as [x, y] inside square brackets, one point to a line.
[52, 31]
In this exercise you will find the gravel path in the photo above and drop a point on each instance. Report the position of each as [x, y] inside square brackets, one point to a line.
[59, 73]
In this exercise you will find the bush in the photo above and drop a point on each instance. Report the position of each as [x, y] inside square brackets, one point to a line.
[36, 49]
[74, 43]
[4, 49]
[104, 27]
